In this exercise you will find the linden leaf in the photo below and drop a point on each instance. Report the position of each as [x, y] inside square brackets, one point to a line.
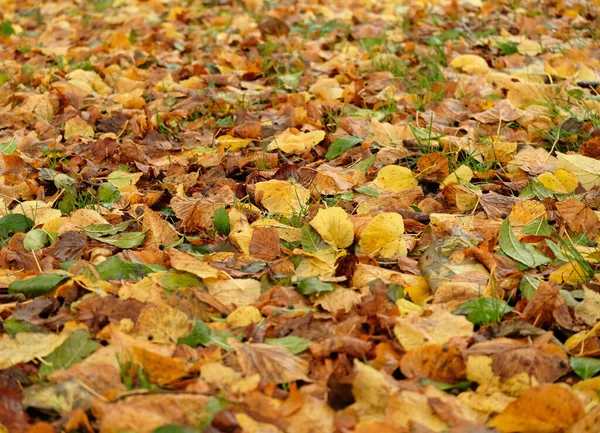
[383, 237]
[394, 178]
[334, 226]
[282, 197]
[299, 143]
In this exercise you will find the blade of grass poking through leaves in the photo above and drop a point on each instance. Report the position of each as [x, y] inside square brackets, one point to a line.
[586, 368]
[341, 145]
[523, 253]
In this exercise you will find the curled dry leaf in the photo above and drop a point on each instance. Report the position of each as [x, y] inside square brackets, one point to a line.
[546, 307]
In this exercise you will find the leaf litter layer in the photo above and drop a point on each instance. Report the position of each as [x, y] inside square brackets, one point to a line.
[256, 216]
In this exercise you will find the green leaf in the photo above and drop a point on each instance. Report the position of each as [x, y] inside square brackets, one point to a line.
[108, 193]
[341, 145]
[365, 164]
[442, 386]
[8, 147]
[528, 286]
[14, 223]
[538, 227]
[536, 190]
[221, 221]
[203, 335]
[293, 344]
[586, 368]
[367, 190]
[75, 349]
[310, 285]
[36, 286]
[310, 239]
[4, 78]
[114, 268]
[35, 239]
[124, 240]
[6, 29]
[121, 178]
[95, 231]
[172, 281]
[558, 252]
[12, 326]
[522, 253]
[395, 292]
[483, 311]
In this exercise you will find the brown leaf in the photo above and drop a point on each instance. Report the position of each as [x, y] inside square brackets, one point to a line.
[435, 362]
[273, 26]
[503, 112]
[274, 364]
[264, 244]
[434, 167]
[579, 217]
[342, 344]
[546, 307]
[541, 359]
[68, 246]
[542, 409]
[158, 231]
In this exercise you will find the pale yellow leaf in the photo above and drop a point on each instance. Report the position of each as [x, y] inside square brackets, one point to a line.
[27, 346]
[162, 324]
[587, 170]
[238, 292]
[186, 262]
[77, 127]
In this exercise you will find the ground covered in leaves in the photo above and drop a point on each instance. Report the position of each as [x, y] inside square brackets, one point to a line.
[299, 216]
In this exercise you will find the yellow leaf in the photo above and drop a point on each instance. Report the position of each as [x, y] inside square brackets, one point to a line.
[233, 143]
[160, 369]
[158, 231]
[561, 181]
[587, 170]
[543, 409]
[296, 143]
[334, 226]
[188, 263]
[227, 379]
[569, 273]
[282, 197]
[77, 127]
[339, 299]
[239, 292]
[470, 63]
[162, 324]
[466, 198]
[460, 175]
[243, 316]
[588, 310]
[388, 135]
[526, 211]
[26, 346]
[121, 179]
[383, 237]
[590, 386]
[395, 178]
[414, 332]
[38, 211]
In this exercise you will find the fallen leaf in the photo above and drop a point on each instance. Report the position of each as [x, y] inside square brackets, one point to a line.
[439, 363]
[282, 197]
[547, 307]
[334, 226]
[470, 63]
[274, 364]
[299, 143]
[394, 178]
[542, 409]
[586, 169]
